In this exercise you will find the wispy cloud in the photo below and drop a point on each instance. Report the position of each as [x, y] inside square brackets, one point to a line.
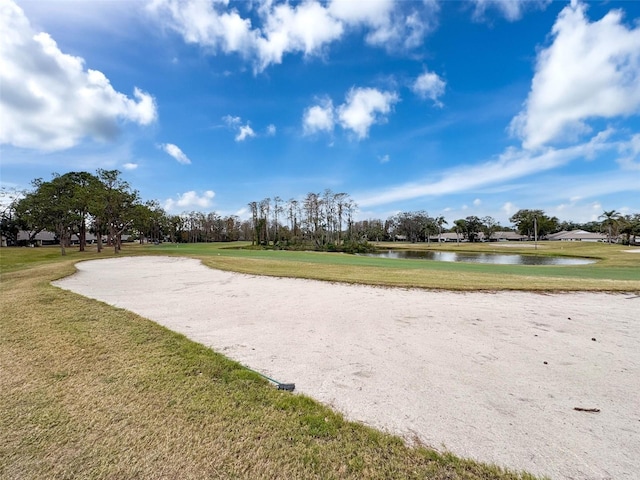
[511, 165]
[176, 153]
[512, 10]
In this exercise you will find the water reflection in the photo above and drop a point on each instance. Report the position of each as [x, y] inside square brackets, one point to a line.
[493, 258]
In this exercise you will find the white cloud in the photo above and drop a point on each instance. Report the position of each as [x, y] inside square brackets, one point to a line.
[271, 130]
[244, 132]
[363, 108]
[384, 159]
[512, 164]
[590, 70]
[200, 22]
[189, 200]
[509, 209]
[305, 28]
[176, 153]
[429, 85]
[319, 118]
[231, 120]
[630, 152]
[282, 28]
[477, 202]
[512, 10]
[49, 100]
[130, 166]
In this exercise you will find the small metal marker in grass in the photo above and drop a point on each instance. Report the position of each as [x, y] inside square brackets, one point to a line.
[289, 387]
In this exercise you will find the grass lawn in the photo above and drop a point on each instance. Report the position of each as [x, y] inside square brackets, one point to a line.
[615, 269]
[91, 391]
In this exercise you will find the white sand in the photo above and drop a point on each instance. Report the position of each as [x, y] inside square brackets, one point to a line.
[463, 372]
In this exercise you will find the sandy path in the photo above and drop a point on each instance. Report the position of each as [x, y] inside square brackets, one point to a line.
[460, 371]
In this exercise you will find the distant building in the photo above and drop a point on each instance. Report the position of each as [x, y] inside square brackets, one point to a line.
[42, 238]
[506, 236]
[579, 236]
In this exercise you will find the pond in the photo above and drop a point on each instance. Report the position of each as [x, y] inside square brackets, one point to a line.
[494, 258]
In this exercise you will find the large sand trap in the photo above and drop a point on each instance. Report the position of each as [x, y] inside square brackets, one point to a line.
[492, 376]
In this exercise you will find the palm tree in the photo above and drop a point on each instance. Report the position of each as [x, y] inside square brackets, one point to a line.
[460, 226]
[440, 221]
[611, 219]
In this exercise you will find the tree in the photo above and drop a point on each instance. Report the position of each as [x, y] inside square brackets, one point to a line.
[85, 187]
[10, 223]
[489, 226]
[473, 227]
[526, 222]
[115, 205]
[610, 222]
[50, 206]
[440, 221]
[459, 226]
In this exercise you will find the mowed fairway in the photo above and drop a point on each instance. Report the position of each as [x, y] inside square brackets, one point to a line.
[87, 390]
[616, 269]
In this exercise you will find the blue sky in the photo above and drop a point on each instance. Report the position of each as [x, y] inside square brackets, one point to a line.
[458, 108]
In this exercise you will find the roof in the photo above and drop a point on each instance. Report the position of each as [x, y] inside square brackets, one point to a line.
[43, 236]
[576, 235]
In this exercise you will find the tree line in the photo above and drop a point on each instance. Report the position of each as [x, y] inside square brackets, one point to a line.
[106, 206]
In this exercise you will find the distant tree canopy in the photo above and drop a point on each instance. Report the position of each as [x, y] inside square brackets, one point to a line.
[534, 223]
[78, 203]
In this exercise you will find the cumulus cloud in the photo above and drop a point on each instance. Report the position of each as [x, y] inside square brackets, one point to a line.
[384, 159]
[49, 100]
[512, 10]
[271, 130]
[364, 107]
[201, 22]
[130, 166]
[176, 153]
[389, 24]
[244, 132]
[590, 70]
[306, 28]
[429, 85]
[319, 118]
[189, 200]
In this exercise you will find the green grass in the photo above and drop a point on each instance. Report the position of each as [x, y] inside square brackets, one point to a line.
[615, 270]
[91, 391]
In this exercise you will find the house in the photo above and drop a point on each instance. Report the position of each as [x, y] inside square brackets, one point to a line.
[578, 236]
[507, 236]
[450, 237]
[42, 238]
[90, 237]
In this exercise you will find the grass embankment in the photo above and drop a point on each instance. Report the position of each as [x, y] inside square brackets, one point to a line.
[615, 270]
[91, 391]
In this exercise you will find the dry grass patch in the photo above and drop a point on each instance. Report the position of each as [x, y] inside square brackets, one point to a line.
[90, 391]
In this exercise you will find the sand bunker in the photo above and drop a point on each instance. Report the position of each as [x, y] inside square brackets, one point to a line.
[491, 376]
